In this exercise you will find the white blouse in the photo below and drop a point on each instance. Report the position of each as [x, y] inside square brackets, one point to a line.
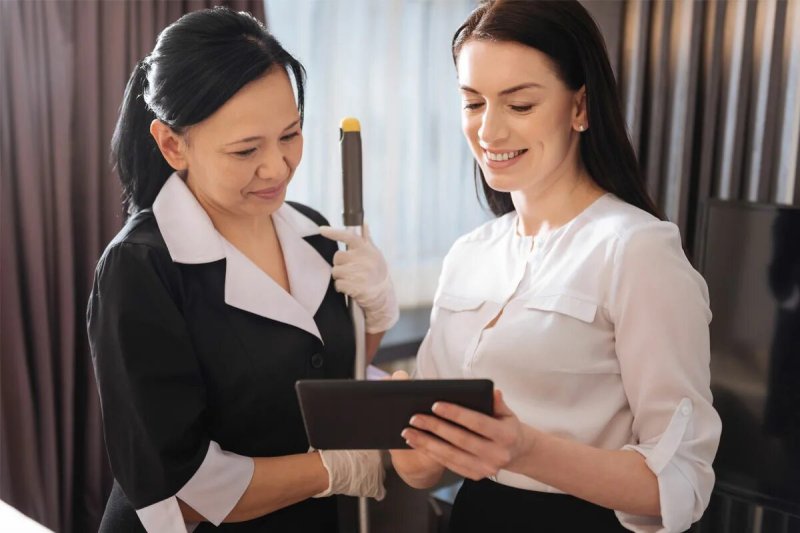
[603, 339]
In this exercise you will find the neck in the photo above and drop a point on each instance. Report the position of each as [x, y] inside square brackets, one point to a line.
[555, 200]
[242, 231]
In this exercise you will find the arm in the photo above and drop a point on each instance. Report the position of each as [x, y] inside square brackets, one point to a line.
[373, 342]
[611, 478]
[277, 482]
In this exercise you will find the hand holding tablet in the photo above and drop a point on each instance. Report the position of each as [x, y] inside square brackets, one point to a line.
[359, 415]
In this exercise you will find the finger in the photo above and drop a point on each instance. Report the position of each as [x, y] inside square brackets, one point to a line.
[501, 409]
[340, 234]
[342, 257]
[400, 374]
[458, 437]
[351, 271]
[479, 423]
[342, 286]
[444, 453]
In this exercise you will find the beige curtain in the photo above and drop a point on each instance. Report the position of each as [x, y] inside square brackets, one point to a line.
[63, 69]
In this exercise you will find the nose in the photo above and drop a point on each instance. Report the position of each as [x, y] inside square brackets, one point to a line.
[273, 165]
[493, 126]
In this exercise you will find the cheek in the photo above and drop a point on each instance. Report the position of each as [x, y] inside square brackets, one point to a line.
[470, 126]
[295, 153]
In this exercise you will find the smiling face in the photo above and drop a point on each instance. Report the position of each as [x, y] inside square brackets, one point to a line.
[521, 121]
[239, 160]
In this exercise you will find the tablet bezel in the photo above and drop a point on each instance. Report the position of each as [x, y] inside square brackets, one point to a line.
[346, 414]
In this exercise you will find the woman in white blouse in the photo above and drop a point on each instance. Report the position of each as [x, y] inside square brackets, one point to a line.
[577, 301]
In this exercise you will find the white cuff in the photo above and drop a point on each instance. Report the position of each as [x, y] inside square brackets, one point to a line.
[162, 517]
[676, 492]
[218, 484]
[213, 491]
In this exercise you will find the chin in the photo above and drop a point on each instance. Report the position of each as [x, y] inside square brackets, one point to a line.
[501, 184]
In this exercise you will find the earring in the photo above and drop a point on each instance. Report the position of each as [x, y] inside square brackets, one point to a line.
[581, 127]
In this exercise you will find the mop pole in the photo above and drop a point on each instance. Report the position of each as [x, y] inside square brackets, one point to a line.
[350, 141]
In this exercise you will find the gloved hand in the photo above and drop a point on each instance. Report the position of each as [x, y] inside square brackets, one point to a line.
[361, 273]
[353, 473]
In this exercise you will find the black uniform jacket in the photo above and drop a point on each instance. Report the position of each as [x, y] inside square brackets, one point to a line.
[196, 353]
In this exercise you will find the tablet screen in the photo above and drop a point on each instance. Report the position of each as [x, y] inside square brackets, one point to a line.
[352, 415]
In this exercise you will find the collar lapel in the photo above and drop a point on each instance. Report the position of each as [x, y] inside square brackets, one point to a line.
[187, 230]
[309, 272]
[248, 288]
[191, 238]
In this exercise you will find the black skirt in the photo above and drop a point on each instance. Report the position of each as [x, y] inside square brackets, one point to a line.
[485, 506]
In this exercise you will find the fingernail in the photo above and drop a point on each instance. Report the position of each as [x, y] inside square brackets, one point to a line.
[436, 407]
[404, 434]
[413, 420]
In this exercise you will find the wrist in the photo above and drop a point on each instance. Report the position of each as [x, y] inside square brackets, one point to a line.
[381, 311]
[530, 441]
[324, 482]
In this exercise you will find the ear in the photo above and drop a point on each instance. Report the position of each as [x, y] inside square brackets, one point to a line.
[171, 144]
[580, 114]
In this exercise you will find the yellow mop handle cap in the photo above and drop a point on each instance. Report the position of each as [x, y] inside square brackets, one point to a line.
[350, 124]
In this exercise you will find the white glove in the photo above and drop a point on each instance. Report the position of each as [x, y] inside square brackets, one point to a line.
[353, 473]
[361, 273]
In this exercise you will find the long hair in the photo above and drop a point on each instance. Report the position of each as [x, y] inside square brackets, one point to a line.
[567, 34]
[199, 62]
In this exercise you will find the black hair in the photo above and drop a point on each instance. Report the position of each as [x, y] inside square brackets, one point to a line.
[567, 34]
[199, 62]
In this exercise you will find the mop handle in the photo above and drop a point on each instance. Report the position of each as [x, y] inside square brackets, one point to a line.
[350, 141]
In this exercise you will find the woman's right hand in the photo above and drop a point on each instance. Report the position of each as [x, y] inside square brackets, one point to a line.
[415, 468]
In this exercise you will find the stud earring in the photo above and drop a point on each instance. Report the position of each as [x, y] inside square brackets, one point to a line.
[581, 127]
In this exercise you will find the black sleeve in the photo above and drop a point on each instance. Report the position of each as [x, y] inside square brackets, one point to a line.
[151, 390]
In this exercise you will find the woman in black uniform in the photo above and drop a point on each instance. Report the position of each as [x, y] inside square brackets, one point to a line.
[217, 296]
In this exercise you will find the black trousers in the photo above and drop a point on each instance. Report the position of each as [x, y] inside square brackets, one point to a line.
[488, 507]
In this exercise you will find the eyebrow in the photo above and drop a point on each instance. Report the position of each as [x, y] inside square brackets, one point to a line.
[258, 137]
[508, 91]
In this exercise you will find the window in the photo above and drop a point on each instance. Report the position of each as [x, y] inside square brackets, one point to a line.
[387, 63]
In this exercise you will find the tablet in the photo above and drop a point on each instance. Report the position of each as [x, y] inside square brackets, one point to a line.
[363, 415]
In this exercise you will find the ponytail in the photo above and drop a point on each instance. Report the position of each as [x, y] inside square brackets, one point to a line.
[134, 153]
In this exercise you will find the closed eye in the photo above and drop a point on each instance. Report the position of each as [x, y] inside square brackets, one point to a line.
[245, 153]
[473, 106]
[290, 136]
[521, 108]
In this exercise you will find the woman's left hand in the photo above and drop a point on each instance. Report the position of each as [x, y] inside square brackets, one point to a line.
[470, 443]
[361, 273]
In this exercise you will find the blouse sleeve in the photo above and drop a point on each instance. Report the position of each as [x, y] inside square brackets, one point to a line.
[153, 396]
[659, 306]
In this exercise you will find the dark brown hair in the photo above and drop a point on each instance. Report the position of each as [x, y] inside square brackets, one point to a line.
[199, 62]
[567, 34]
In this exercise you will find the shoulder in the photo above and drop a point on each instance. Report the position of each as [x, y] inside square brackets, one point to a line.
[618, 220]
[308, 212]
[138, 247]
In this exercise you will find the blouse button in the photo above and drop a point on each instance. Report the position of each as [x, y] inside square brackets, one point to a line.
[686, 409]
[317, 360]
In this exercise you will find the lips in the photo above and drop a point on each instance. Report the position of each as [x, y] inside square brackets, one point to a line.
[503, 156]
[270, 192]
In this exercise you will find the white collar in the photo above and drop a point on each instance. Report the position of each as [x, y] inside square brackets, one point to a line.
[191, 238]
